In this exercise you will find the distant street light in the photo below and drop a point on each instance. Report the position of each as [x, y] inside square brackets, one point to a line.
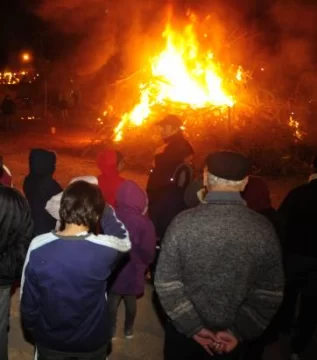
[26, 57]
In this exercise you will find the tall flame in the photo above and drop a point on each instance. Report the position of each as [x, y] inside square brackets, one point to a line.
[182, 75]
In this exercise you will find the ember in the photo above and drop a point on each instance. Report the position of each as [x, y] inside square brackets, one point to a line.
[294, 124]
[182, 75]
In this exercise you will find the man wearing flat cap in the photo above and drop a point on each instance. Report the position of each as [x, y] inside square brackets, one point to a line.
[170, 175]
[219, 276]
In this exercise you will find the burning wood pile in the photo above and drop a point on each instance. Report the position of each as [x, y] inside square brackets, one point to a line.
[182, 80]
[188, 80]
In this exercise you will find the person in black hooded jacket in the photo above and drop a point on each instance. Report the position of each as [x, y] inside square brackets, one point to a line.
[16, 229]
[170, 175]
[39, 187]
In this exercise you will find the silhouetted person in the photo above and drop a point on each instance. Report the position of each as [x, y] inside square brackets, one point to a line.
[170, 175]
[15, 236]
[8, 110]
[299, 210]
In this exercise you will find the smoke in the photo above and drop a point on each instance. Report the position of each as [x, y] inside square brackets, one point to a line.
[111, 37]
[101, 28]
[298, 30]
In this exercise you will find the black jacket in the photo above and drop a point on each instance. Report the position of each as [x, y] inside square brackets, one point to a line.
[168, 181]
[171, 201]
[15, 235]
[39, 187]
[8, 106]
[167, 159]
[299, 211]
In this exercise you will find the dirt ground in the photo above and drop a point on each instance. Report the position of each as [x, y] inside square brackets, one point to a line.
[70, 145]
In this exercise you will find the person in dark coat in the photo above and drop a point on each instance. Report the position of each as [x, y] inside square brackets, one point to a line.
[15, 236]
[8, 110]
[299, 210]
[39, 186]
[128, 284]
[168, 179]
[257, 197]
[170, 175]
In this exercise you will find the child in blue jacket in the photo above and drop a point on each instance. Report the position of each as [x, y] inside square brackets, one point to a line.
[65, 277]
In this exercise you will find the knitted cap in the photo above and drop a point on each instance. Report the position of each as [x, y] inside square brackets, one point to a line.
[228, 165]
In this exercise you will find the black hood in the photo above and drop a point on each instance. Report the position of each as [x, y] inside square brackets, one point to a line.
[42, 162]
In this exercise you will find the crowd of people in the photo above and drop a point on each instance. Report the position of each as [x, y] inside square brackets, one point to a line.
[230, 272]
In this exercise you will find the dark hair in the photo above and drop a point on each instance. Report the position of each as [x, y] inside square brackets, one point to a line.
[120, 157]
[16, 231]
[82, 204]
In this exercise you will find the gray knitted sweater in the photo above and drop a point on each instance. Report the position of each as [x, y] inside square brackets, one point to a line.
[220, 268]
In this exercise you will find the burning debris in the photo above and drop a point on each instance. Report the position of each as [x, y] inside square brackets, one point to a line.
[294, 125]
[182, 78]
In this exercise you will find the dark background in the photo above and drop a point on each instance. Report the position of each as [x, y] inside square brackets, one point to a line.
[22, 29]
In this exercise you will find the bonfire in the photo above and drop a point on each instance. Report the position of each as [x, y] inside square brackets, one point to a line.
[189, 80]
[182, 79]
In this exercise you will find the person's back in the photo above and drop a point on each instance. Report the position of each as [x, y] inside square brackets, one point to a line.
[71, 273]
[220, 269]
[299, 211]
[232, 244]
[129, 277]
[131, 210]
[66, 310]
[39, 186]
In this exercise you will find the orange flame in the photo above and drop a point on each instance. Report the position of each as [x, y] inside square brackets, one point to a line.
[294, 124]
[182, 75]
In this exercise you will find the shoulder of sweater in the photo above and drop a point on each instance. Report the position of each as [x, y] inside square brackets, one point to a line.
[242, 212]
[109, 241]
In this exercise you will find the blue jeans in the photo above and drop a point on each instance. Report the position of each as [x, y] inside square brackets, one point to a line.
[4, 321]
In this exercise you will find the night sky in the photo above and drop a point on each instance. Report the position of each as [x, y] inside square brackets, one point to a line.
[18, 28]
[21, 29]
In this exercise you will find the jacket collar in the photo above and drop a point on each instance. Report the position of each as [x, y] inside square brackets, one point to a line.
[224, 197]
[176, 136]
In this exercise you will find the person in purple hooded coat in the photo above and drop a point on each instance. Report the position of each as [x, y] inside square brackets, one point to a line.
[128, 284]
